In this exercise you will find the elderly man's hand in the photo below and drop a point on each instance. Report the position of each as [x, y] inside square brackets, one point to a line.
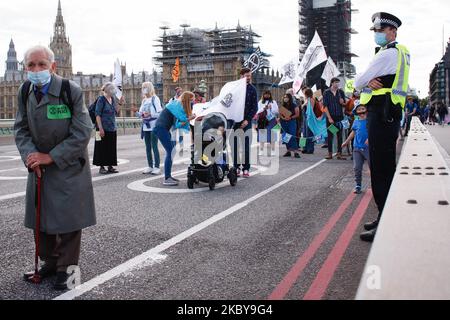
[375, 84]
[35, 160]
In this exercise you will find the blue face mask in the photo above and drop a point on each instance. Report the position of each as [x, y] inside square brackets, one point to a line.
[380, 39]
[40, 78]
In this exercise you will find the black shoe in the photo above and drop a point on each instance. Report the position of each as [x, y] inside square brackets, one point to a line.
[297, 156]
[103, 171]
[45, 272]
[325, 146]
[370, 226]
[61, 281]
[287, 154]
[112, 170]
[368, 236]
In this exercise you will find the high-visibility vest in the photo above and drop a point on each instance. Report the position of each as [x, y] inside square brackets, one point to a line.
[399, 89]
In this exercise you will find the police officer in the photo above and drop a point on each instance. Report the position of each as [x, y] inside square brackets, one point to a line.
[384, 88]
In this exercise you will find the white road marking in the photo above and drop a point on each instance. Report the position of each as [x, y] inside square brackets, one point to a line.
[141, 187]
[9, 158]
[8, 178]
[152, 253]
[101, 178]
[12, 196]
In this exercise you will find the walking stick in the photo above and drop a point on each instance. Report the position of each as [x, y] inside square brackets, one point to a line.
[36, 278]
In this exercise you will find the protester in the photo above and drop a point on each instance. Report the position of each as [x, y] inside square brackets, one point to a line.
[178, 92]
[426, 114]
[199, 97]
[267, 119]
[442, 112]
[360, 137]
[53, 146]
[411, 109]
[307, 133]
[432, 120]
[334, 101]
[149, 112]
[176, 115]
[289, 114]
[106, 110]
[250, 110]
[349, 107]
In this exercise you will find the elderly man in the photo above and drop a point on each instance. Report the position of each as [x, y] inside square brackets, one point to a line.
[384, 88]
[52, 131]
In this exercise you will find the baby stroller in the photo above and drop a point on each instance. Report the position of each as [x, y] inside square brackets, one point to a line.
[209, 158]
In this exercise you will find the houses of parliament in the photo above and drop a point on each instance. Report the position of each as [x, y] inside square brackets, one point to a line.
[91, 84]
[213, 57]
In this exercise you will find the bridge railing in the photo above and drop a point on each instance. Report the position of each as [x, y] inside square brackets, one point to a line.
[410, 258]
[124, 126]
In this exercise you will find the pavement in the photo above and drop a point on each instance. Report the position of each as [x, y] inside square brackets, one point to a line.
[441, 135]
[293, 235]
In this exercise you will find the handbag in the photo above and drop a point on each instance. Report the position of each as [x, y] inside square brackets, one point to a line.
[262, 120]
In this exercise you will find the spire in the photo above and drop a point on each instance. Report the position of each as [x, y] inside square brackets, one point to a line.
[60, 26]
[61, 46]
[12, 64]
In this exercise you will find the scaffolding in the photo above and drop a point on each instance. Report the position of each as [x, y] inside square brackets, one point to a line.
[332, 20]
[203, 47]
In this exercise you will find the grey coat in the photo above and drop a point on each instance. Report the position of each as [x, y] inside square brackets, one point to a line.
[67, 192]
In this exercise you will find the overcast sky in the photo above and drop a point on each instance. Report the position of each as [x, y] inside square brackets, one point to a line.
[102, 30]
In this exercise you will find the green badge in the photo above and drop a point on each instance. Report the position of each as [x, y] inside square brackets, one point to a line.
[58, 112]
[303, 142]
[333, 129]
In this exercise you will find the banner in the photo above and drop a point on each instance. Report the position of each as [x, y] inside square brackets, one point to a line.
[315, 54]
[330, 71]
[118, 80]
[176, 71]
[288, 72]
[255, 61]
[230, 102]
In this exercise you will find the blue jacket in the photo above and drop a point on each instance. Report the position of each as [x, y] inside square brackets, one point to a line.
[176, 109]
[251, 103]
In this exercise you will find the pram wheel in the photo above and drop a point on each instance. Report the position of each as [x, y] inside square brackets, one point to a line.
[190, 182]
[211, 179]
[232, 176]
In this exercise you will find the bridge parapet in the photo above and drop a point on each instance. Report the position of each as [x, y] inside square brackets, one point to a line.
[410, 258]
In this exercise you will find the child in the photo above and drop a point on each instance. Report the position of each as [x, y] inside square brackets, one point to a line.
[361, 143]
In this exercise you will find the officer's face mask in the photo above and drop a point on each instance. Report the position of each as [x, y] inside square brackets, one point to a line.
[40, 78]
[381, 39]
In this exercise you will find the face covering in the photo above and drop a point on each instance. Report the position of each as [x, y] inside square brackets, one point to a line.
[380, 39]
[145, 91]
[40, 78]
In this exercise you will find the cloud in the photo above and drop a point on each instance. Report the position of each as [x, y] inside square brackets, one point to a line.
[102, 30]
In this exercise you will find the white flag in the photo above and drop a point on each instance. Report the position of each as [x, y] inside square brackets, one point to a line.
[230, 102]
[315, 54]
[288, 72]
[330, 71]
[118, 82]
